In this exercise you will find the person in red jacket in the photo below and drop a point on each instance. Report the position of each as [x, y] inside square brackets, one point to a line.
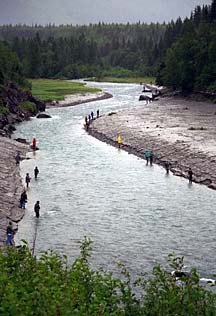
[34, 143]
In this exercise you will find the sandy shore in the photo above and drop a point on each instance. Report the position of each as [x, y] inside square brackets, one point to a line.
[76, 99]
[180, 131]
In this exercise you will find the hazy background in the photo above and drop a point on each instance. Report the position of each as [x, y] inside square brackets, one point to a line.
[93, 11]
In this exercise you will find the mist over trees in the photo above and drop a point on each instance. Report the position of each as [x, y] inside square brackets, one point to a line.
[77, 51]
[181, 54]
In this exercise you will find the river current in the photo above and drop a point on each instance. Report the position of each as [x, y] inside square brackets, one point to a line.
[132, 212]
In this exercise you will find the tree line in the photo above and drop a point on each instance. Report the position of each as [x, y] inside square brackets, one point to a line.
[190, 62]
[181, 54]
[79, 51]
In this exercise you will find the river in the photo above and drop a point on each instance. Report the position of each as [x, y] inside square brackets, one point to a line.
[133, 213]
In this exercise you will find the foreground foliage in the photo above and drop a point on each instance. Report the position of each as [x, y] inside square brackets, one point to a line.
[49, 90]
[49, 286]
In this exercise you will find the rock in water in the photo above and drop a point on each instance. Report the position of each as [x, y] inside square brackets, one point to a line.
[43, 115]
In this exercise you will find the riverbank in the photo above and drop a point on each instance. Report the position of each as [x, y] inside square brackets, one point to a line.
[179, 131]
[10, 184]
[76, 99]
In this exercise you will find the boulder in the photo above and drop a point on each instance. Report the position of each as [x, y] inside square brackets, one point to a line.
[145, 98]
[22, 140]
[43, 115]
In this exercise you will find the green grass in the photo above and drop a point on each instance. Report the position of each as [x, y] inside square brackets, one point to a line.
[49, 90]
[149, 80]
[28, 106]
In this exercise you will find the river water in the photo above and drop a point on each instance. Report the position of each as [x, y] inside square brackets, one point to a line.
[133, 213]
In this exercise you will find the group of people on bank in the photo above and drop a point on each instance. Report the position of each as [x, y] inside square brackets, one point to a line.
[90, 118]
[23, 198]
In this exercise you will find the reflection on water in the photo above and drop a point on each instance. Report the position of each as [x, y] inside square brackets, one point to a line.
[133, 212]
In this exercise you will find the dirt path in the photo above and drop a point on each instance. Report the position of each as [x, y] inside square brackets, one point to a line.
[180, 131]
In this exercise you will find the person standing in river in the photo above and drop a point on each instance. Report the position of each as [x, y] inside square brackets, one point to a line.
[119, 140]
[98, 114]
[23, 199]
[151, 159]
[37, 209]
[167, 167]
[190, 175]
[147, 155]
[34, 143]
[27, 179]
[10, 235]
[36, 172]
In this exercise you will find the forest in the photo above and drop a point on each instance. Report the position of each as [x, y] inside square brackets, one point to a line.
[180, 54]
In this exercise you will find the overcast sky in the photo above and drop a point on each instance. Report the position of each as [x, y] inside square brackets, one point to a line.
[93, 11]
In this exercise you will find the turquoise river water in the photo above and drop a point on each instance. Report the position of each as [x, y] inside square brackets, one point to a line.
[133, 213]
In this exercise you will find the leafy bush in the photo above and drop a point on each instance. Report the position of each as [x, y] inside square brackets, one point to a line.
[49, 286]
[4, 110]
[28, 106]
[167, 296]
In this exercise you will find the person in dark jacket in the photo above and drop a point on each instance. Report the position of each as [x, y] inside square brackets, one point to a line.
[167, 166]
[37, 209]
[23, 199]
[10, 235]
[36, 172]
[190, 175]
[151, 159]
[27, 179]
[17, 158]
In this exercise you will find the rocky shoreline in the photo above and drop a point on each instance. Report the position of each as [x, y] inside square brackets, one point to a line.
[176, 130]
[10, 184]
[18, 105]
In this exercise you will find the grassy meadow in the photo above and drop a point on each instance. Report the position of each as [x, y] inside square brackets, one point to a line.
[49, 90]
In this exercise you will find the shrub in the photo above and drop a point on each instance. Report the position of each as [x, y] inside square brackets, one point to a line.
[48, 285]
[28, 106]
